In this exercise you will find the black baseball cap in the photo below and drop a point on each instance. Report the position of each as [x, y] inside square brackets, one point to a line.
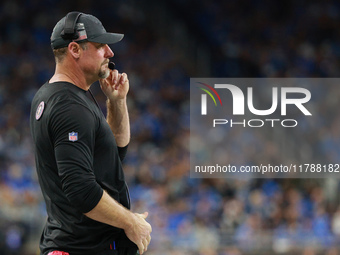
[80, 27]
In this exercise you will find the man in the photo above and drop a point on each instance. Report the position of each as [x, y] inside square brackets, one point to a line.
[79, 152]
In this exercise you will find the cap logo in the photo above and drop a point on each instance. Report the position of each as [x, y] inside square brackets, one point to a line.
[80, 28]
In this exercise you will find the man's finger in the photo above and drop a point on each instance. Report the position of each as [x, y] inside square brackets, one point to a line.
[118, 81]
[141, 248]
[146, 244]
[144, 215]
[114, 76]
[123, 78]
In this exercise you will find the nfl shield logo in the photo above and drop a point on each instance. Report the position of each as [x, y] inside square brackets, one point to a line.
[73, 136]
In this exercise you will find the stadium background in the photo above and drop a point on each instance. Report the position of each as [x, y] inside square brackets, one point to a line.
[166, 43]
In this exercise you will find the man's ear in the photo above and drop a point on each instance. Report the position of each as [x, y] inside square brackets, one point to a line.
[74, 49]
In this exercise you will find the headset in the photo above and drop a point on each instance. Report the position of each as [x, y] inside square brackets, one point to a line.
[69, 32]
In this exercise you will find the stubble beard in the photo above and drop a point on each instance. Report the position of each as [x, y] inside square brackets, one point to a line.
[103, 74]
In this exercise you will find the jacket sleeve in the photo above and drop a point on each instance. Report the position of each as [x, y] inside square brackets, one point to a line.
[73, 130]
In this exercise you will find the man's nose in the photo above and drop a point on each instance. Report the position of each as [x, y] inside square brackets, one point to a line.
[108, 52]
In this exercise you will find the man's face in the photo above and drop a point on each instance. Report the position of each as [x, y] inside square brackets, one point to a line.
[96, 59]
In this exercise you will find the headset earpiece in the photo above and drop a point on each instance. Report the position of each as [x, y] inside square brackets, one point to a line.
[69, 31]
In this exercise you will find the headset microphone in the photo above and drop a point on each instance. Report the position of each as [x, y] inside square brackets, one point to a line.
[112, 65]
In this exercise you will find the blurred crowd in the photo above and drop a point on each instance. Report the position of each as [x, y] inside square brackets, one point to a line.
[189, 216]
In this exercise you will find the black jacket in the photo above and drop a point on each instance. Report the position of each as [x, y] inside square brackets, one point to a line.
[76, 159]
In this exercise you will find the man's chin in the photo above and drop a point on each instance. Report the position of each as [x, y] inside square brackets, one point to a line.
[104, 74]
